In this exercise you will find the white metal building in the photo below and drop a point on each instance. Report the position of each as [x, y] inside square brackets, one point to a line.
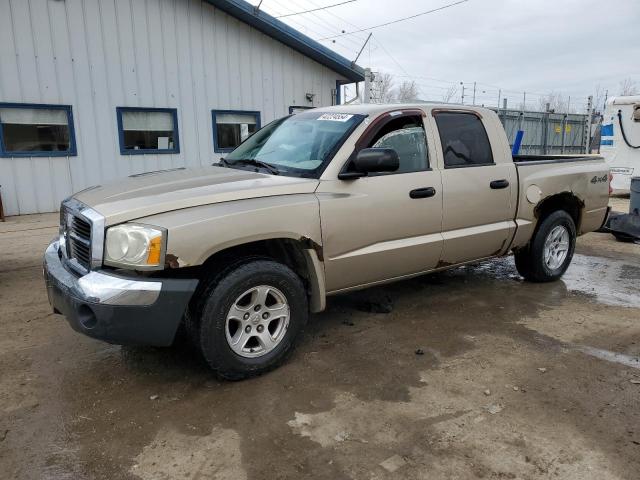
[93, 90]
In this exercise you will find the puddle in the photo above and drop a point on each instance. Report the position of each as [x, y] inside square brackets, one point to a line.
[609, 281]
[608, 356]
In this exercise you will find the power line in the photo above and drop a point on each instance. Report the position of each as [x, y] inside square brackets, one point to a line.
[337, 16]
[398, 20]
[333, 29]
[283, 10]
[301, 25]
[316, 9]
[391, 56]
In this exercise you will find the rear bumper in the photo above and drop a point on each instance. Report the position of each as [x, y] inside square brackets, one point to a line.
[117, 309]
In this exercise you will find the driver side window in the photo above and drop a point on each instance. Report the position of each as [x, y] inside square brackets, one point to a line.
[407, 137]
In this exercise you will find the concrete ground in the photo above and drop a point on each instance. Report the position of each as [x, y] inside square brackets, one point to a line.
[473, 374]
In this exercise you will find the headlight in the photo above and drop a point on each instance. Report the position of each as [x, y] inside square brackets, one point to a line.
[138, 246]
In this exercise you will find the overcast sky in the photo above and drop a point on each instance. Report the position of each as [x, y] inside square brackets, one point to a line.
[537, 46]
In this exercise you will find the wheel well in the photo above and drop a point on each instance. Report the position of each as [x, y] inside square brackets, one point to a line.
[284, 250]
[563, 201]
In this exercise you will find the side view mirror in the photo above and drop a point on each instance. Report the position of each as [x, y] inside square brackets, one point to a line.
[372, 160]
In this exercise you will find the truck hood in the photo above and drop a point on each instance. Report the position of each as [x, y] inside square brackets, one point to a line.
[158, 192]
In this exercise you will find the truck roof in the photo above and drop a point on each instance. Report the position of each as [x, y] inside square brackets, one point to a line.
[377, 108]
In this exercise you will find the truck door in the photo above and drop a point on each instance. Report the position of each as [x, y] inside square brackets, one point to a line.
[385, 225]
[477, 183]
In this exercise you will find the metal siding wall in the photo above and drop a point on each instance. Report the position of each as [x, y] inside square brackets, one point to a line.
[96, 55]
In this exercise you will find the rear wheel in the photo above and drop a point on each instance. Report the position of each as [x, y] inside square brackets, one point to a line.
[550, 251]
[249, 319]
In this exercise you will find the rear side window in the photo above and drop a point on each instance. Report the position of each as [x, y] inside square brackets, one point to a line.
[464, 140]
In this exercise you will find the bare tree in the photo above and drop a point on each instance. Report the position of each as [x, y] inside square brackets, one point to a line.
[599, 97]
[628, 87]
[407, 92]
[450, 93]
[555, 102]
[382, 88]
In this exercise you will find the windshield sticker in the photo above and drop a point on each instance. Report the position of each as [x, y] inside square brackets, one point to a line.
[335, 117]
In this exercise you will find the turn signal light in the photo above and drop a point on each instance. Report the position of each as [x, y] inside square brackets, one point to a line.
[155, 251]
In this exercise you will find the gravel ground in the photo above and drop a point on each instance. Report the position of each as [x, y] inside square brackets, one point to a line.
[473, 374]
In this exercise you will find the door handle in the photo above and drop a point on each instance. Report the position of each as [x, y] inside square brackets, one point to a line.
[422, 192]
[498, 184]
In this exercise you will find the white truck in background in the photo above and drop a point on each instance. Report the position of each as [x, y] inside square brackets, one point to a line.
[620, 141]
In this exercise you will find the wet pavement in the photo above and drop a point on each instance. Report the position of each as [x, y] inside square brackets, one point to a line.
[473, 373]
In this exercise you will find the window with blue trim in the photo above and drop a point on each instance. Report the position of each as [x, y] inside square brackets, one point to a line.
[148, 130]
[232, 127]
[293, 109]
[31, 130]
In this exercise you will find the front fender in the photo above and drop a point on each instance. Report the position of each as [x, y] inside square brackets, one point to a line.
[194, 234]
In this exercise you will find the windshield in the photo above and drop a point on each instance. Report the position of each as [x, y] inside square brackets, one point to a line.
[301, 143]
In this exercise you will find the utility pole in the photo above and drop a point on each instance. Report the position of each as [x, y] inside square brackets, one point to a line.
[587, 130]
[367, 86]
[474, 93]
[462, 83]
[524, 101]
[360, 52]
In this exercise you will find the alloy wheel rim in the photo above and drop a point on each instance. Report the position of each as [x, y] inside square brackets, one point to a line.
[257, 321]
[556, 247]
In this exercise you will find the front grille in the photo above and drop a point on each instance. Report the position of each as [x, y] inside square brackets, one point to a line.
[79, 238]
[76, 232]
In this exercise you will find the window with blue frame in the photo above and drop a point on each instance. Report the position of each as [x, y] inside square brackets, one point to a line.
[31, 130]
[148, 130]
[232, 127]
[293, 109]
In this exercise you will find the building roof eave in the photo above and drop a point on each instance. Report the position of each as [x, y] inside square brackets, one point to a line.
[280, 31]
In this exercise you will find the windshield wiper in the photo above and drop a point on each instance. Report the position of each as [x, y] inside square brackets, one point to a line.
[221, 163]
[256, 163]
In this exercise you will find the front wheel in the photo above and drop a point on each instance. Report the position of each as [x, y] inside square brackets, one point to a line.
[550, 251]
[250, 319]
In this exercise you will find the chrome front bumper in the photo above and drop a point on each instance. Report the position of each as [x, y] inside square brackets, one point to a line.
[98, 287]
[115, 308]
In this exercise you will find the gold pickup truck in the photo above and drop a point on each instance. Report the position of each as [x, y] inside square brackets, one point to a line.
[313, 204]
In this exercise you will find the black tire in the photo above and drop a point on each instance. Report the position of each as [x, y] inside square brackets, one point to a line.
[530, 260]
[192, 315]
[207, 318]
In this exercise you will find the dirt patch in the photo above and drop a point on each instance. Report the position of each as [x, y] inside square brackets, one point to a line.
[355, 401]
